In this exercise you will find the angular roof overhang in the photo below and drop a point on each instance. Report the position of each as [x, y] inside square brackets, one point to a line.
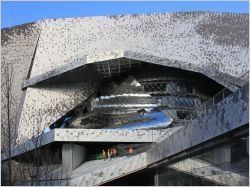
[224, 79]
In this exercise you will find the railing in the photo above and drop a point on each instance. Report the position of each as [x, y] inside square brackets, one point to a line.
[217, 98]
[209, 103]
[139, 150]
[224, 93]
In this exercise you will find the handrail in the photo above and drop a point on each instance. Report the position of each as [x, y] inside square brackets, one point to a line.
[98, 155]
[222, 94]
[217, 97]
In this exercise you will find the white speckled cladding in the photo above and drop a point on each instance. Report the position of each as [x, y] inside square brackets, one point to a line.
[210, 43]
[198, 38]
[44, 105]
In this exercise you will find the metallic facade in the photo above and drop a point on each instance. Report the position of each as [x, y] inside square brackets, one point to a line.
[181, 76]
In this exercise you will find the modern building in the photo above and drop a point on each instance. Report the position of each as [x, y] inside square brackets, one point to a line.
[168, 92]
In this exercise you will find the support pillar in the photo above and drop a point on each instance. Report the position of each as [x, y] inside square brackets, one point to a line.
[73, 155]
[247, 139]
[156, 177]
[222, 154]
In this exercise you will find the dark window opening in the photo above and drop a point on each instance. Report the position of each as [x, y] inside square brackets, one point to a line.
[182, 115]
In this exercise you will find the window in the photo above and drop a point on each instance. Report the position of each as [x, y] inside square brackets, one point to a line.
[189, 89]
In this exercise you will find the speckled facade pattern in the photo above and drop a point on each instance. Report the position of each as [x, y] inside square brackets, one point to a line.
[211, 43]
[71, 65]
[17, 50]
[95, 135]
[229, 114]
[44, 105]
[108, 135]
[215, 40]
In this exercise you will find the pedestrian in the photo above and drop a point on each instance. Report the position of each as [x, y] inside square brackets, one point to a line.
[114, 152]
[130, 151]
[104, 154]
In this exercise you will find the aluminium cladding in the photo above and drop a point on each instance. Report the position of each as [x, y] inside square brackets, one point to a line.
[215, 44]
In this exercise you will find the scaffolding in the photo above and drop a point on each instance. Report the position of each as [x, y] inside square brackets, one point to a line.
[116, 67]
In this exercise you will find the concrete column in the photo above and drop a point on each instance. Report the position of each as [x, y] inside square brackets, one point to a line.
[73, 155]
[247, 144]
[4, 173]
[156, 177]
[222, 154]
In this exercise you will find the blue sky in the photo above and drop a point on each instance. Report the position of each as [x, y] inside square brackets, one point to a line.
[15, 13]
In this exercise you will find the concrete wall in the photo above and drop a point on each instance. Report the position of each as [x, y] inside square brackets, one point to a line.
[229, 114]
[73, 155]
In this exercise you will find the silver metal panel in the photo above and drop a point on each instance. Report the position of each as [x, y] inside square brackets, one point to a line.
[229, 114]
[108, 135]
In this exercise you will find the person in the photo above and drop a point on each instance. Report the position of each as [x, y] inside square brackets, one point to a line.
[104, 154]
[130, 151]
[114, 152]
